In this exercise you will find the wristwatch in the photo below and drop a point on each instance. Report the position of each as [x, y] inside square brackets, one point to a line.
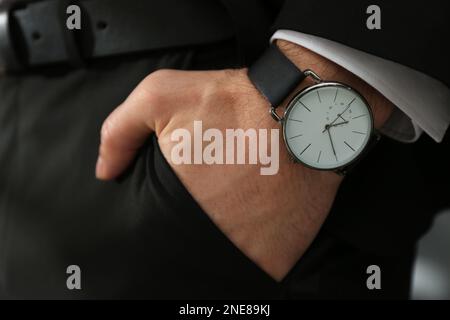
[326, 126]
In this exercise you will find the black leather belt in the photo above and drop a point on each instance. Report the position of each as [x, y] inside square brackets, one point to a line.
[35, 34]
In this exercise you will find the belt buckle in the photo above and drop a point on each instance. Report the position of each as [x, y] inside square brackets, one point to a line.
[34, 34]
[9, 59]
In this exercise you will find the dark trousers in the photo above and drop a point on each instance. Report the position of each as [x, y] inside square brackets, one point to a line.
[142, 236]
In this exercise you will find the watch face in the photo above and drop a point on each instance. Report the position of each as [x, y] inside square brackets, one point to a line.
[327, 126]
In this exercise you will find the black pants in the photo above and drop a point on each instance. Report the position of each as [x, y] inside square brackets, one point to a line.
[143, 236]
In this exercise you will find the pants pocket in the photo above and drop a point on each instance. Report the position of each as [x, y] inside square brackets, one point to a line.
[182, 253]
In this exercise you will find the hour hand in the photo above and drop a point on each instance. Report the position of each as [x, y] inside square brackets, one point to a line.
[333, 125]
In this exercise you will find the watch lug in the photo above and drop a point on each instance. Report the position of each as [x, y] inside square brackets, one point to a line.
[274, 114]
[312, 74]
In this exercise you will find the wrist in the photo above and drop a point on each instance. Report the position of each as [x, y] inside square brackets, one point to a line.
[328, 70]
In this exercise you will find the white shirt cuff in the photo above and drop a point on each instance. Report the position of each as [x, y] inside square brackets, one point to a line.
[423, 102]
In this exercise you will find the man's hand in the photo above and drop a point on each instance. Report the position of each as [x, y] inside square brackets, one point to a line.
[271, 219]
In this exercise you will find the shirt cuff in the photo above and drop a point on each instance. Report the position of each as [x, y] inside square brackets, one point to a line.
[423, 102]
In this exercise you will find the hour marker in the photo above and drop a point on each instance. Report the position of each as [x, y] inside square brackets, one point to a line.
[318, 96]
[305, 106]
[305, 149]
[295, 120]
[299, 135]
[359, 116]
[349, 145]
[318, 158]
[358, 132]
[335, 96]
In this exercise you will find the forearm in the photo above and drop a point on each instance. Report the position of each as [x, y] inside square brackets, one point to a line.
[307, 203]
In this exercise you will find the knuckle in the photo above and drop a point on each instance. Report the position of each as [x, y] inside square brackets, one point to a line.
[157, 78]
[152, 88]
[160, 74]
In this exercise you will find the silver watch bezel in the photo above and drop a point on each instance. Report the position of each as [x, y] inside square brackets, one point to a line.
[297, 96]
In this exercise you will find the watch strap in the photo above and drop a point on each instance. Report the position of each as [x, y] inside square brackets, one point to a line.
[274, 75]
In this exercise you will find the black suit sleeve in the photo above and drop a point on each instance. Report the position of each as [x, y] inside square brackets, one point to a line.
[413, 33]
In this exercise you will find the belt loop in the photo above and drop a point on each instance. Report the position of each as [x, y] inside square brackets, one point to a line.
[70, 37]
[9, 57]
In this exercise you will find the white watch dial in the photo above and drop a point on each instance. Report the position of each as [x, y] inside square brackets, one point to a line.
[327, 126]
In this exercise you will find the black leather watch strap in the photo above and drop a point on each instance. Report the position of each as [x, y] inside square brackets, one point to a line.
[274, 75]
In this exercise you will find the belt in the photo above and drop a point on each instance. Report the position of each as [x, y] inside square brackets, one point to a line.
[35, 34]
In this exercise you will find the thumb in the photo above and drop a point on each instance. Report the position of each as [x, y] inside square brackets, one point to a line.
[123, 133]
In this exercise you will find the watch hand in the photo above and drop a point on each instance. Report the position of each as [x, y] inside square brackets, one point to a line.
[333, 125]
[337, 124]
[332, 145]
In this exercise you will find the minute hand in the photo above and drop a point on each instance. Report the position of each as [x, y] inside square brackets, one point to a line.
[332, 144]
